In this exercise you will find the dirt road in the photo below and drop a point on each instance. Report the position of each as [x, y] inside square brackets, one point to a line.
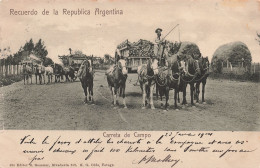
[231, 106]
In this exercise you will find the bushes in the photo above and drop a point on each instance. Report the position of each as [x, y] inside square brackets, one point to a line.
[231, 76]
[9, 79]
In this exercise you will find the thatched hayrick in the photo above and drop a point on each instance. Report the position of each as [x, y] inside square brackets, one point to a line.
[235, 53]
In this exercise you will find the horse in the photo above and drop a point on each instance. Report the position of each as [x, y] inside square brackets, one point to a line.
[204, 66]
[168, 78]
[49, 73]
[27, 73]
[69, 72]
[116, 79]
[40, 72]
[191, 73]
[86, 77]
[146, 76]
[58, 72]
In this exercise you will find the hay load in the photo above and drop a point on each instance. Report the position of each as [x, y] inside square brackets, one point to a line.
[234, 52]
[186, 50]
[189, 49]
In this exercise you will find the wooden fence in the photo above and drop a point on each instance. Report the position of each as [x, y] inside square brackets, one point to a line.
[11, 70]
[239, 69]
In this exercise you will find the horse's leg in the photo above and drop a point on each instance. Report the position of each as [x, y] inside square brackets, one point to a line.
[197, 92]
[147, 92]
[151, 97]
[160, 90]
[36, 78]
[66, 78]
[178, 96]
[24, 76]
[84, 86]
[124, 96]
[40, 78]
[115, 94]
[191, 93]
[167, 91]
[144, 96]
[112, 93]
[157, 90]
[27, 79]
[91, 92]
[43, 77]
[176, 93]
[203, 90]
[184, 101]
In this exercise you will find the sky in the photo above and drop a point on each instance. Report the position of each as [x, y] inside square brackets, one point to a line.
[208, 23]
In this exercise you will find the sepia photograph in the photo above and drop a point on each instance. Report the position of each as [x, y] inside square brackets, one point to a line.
[130, 65]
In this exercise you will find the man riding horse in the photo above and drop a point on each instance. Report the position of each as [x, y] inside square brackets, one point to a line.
[159, 46]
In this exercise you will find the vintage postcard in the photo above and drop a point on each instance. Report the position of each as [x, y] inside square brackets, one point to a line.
[109, 83]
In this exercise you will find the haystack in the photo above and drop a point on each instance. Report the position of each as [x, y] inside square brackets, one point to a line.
[234, 52]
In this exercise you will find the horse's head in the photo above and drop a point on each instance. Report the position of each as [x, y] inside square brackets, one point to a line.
[181, 65]
[204, 64]
[122, 66]
[153, 65]
[191, 66]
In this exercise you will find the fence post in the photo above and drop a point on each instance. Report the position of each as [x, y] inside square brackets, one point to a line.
[8, 69]
[227, 63]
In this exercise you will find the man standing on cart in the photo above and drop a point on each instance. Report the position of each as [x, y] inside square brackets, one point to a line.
[159, 47]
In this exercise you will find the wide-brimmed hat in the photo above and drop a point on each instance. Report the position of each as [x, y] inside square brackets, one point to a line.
[158, 29]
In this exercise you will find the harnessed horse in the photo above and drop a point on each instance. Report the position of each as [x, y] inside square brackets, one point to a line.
[116, 80]
[40, 72]
[27, 73]
[191, 73]
[169, 78]
[58, 72]
[69, 73]
[49, 73]
[147, 76]
[204, 66]
[86, 77]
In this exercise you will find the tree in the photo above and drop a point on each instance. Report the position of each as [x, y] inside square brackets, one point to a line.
[40, 50]
[29, 46]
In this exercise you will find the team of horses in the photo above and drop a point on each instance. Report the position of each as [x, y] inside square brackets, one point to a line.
[179, 72]
[41, 72]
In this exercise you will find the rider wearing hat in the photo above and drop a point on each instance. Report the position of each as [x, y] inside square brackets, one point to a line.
[158, 47]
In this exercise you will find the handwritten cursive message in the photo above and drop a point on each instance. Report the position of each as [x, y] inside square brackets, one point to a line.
[139, 149]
